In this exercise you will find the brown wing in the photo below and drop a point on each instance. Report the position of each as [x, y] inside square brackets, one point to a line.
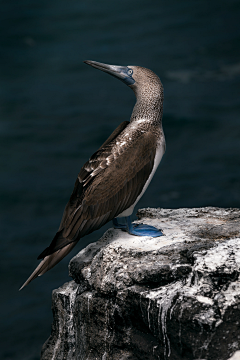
[59, 241]
[62, 244]
[98, 196]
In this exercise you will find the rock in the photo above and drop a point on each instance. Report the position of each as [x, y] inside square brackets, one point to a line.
[172, 297]
[236, 356]
[62, 339]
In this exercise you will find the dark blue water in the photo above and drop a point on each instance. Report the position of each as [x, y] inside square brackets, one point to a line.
[55, 112]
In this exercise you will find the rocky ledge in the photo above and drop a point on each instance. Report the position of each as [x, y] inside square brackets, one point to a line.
[168, 298]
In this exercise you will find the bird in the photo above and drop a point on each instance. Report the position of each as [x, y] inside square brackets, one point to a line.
[113, 180]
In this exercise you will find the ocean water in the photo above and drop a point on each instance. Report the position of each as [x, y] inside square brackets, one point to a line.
[56, 111]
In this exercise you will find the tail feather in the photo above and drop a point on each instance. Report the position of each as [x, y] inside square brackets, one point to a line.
[49, 262]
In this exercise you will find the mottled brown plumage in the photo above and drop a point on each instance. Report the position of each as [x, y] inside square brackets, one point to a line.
[113, 179]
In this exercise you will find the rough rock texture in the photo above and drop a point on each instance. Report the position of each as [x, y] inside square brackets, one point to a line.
[174, 297]
[236, 356]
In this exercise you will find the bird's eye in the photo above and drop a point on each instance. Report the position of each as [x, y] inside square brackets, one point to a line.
[130, 72]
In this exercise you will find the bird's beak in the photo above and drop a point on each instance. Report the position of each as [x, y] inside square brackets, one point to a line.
[121, 72]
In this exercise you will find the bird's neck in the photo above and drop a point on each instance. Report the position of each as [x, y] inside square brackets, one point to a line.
[149, 106]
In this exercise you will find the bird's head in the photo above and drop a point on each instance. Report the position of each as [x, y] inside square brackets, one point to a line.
[123, 73]
[133, 76]
[144, 82]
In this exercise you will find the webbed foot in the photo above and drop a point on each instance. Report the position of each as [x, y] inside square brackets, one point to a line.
[138, 230]
[144, 230]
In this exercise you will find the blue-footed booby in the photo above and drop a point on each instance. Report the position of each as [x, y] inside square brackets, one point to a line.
[116, 176]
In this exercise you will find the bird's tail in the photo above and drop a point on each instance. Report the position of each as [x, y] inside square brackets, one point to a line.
[49, 262]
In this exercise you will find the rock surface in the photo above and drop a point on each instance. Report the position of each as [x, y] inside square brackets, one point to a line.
[173, 297]
[236, 356]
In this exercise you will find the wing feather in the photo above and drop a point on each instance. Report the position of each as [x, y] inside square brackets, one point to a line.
[94, 201]
[49, 262]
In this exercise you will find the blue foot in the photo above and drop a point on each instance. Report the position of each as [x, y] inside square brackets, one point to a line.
[139, 230]
[145, 230]
[142, 229]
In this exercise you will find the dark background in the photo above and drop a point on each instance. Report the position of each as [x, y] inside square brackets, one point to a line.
[56, 111]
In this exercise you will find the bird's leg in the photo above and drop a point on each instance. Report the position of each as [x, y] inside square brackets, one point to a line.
[142, 229]
[116, 225]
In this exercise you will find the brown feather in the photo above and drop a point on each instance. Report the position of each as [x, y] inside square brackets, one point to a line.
[106, 199]
[49, 262]
[61, 244]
